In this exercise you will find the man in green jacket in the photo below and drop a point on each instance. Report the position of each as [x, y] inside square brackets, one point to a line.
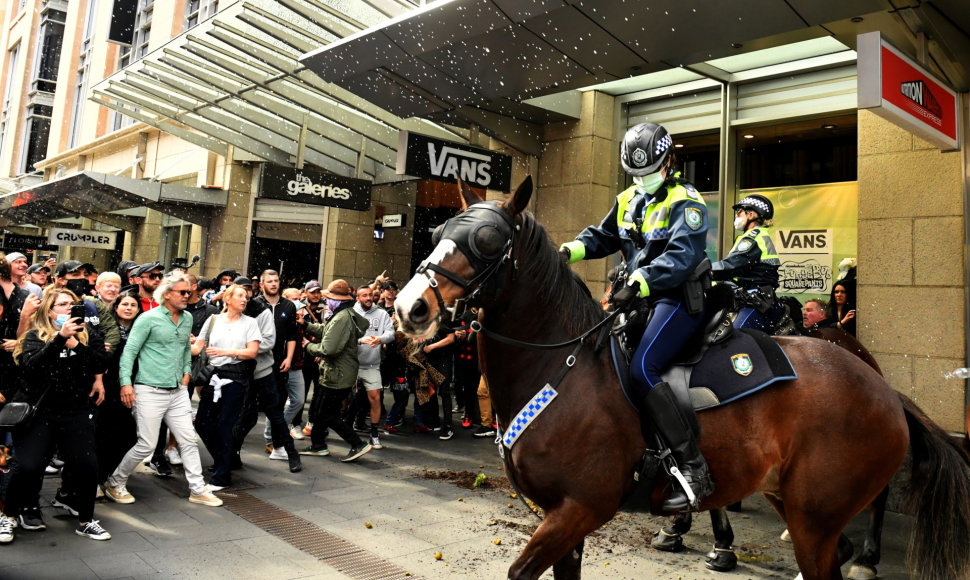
[337, 351]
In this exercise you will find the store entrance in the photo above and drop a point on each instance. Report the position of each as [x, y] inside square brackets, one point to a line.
[291, 249]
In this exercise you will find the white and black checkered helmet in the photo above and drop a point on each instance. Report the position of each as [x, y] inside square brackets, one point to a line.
[759, 204]
[644, 149]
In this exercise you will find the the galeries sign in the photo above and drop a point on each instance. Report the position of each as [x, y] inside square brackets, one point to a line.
[82, 238]
[314, 188]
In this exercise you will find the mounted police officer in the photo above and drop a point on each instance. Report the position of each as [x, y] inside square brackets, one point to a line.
[752, 264]
[659, 225]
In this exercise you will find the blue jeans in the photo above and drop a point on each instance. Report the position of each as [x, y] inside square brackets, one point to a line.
[666, 334]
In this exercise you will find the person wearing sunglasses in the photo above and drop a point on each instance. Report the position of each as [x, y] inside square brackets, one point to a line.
[148, 277]
[159, 343]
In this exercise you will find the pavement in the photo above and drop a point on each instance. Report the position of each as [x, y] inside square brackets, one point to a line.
[398, 512]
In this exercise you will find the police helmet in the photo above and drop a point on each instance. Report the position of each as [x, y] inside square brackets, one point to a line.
[759, 204]
[644, 149]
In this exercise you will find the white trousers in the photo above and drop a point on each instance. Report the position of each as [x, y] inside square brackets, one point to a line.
[152, 406]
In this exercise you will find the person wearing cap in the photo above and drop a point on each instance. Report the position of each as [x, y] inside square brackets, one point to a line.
[123, 269]
[659, 226]
[18, 269]
[149, 276]
[752, 264]
[35, 279]
[315, 310]
[337, 351]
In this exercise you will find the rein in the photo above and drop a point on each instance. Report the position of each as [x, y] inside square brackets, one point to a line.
[476, 326]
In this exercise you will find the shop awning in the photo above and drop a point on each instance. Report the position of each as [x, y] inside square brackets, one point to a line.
[456, 56]
[96, 195]
[235, 79]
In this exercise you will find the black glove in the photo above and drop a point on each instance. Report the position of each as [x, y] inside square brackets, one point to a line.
[565, 253]
[626, 297]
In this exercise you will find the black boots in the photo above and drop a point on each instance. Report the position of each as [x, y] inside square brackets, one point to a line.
[293, 456]
[661, 411]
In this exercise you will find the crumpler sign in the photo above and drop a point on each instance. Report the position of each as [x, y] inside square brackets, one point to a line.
[423, 156]
[901, 91]
[314, 188]
[82, 238]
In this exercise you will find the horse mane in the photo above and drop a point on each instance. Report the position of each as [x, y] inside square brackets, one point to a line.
[564, 290]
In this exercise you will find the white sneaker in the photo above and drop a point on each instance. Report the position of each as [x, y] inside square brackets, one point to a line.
[205, 498]
[297, 433]
[7, 524]
[118, 494]
[279, 454]
[375, 442]
[173, 456]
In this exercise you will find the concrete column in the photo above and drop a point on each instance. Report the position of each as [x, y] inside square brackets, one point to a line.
[225, 245]
[912, 297]
[352, 253]
[577, 180]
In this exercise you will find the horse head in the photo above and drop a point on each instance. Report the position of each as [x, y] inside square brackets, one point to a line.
[471, 250]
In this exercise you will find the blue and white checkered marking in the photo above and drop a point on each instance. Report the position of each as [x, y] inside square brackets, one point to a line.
[528, 414]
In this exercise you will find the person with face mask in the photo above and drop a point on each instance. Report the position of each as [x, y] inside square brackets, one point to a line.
[659, 226]
[752, 264]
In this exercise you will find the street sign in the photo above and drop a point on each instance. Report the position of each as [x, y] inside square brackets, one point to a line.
[314, 188]
[423, 156]
[901, 91]
[396, 220]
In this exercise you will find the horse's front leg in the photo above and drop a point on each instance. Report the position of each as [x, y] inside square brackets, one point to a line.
[558, 540]
[722, 558]
[670, 537]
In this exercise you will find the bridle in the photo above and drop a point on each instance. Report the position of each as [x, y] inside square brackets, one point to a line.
[487, 256]
[488, 264]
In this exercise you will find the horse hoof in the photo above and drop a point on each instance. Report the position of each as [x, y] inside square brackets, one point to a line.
[667, 542]
[721, 560]
[785, 536]
[858, 572]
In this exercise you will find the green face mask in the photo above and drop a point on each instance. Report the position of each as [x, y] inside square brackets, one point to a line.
[649, 183]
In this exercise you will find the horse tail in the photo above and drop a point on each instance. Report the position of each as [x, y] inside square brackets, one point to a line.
[939, 495]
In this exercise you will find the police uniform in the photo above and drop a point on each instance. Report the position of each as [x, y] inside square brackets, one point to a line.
[753, 265]
[662, 238]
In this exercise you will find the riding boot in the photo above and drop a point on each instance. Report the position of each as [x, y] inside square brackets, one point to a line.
[679, 431]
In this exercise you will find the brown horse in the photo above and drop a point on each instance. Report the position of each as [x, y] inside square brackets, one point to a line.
[722, 557]
[820, 448]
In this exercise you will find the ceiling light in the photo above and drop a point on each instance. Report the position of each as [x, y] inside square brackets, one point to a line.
[857, 19]
[749, 136]
[678, 145]
[828, 126]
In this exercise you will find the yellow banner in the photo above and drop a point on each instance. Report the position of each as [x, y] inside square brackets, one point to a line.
[815, 228]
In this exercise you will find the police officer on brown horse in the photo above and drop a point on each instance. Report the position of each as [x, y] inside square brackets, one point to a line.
[659, 225]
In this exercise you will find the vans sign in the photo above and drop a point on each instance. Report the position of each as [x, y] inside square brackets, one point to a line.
[423, 156]
[314, 188]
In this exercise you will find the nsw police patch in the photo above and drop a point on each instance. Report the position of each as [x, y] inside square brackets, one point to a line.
[745, 245]
[694, 218]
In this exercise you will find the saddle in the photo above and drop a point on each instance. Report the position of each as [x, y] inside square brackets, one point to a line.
[718, 365]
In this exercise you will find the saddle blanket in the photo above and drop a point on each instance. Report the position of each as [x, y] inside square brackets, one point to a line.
[745, 363]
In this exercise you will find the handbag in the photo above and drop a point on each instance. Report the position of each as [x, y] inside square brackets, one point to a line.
[16, 413]
[201, 369]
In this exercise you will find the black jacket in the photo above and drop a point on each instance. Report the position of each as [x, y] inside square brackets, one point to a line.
[284, 316]
[67, 373]
[200, 311]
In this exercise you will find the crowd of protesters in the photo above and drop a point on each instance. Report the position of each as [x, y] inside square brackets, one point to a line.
[110, 361]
